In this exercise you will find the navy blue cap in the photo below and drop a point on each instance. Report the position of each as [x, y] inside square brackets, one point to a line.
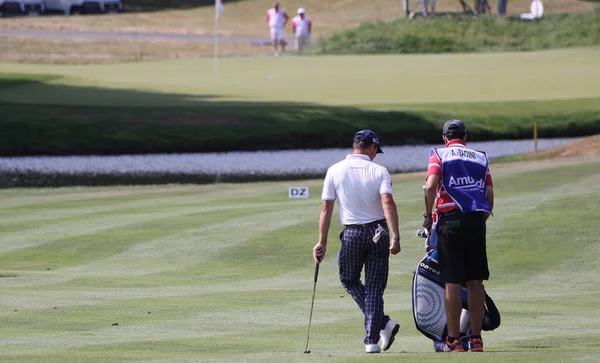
[369, 137]
[454, 126]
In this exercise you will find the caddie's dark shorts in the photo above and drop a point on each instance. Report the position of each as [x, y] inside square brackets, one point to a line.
[462, 247]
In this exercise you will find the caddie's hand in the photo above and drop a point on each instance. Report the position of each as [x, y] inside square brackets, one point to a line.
[427, 221]
[395, 246]
[318, 252]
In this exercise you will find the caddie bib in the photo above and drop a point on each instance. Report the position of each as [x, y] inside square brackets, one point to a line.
[463, 177]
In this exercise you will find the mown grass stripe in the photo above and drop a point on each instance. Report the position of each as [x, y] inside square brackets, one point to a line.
[86, 201]
[30, 197]
[549, 227]
[37, 232]
[95, 241]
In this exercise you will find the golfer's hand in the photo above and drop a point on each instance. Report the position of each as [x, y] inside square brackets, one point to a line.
[395, 247]
[427, 221]
[318, 252]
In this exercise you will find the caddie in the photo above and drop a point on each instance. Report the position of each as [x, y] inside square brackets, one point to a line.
[460, 179]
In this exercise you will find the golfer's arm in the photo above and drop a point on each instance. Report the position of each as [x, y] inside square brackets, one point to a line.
[325, 220]
[430, 188]
[391, 214]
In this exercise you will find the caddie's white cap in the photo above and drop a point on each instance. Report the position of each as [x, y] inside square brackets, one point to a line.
[300, 10]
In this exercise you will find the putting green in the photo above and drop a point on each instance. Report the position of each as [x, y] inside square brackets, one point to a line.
[366, 81]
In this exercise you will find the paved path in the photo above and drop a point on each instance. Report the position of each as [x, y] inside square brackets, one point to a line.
[103, 35]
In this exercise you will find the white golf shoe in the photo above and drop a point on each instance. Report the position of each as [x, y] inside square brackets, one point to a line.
[389, 334]
[372, 348]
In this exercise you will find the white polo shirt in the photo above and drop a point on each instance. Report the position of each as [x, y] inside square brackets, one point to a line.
[357, 183]
[276, 18]
[301, 26]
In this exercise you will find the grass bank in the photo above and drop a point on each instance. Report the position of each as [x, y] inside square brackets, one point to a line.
[449, 34]
[223, 273]
[230, 126]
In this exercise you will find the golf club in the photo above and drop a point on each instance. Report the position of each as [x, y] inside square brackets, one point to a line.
[307, 351]
[425, 197]
[425, 233]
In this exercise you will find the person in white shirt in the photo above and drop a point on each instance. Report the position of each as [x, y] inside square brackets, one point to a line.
[302, 27]
[368, 212]
[277, 18]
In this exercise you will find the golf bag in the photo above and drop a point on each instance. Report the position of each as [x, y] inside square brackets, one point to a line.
[429, 306]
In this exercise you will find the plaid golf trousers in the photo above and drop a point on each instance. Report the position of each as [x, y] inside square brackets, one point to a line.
[358, 250]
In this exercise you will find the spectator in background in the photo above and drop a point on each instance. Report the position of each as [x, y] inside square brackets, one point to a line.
[302, 27]
[277, 18]
[502, 7]
[424, 7]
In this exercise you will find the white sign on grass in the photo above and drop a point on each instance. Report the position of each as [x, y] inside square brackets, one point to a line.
[298, 192]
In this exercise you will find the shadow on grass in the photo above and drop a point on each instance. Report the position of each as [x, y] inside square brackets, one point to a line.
[105, 121]
[134, 122]
[11, 80]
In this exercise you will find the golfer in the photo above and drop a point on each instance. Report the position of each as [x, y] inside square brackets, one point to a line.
[302, 27]
[461, 179]
[277, 18]
[368, 212]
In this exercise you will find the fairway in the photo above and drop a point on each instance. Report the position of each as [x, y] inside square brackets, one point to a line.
[224, 272]
[381, 82]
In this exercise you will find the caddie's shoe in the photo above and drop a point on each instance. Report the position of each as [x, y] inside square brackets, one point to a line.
[454, 347]
[476, 344]
[388, 334]
[464, 340]
[372, 348]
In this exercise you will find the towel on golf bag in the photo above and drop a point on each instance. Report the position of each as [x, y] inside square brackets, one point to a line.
[428, 301]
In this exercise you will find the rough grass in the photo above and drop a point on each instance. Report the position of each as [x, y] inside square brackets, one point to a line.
[224, 272]
[246, 17]
[85, 51]
[452, 35]
[448, 34]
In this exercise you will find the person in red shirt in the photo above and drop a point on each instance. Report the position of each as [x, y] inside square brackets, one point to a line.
[277, 19]
[459, 182]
